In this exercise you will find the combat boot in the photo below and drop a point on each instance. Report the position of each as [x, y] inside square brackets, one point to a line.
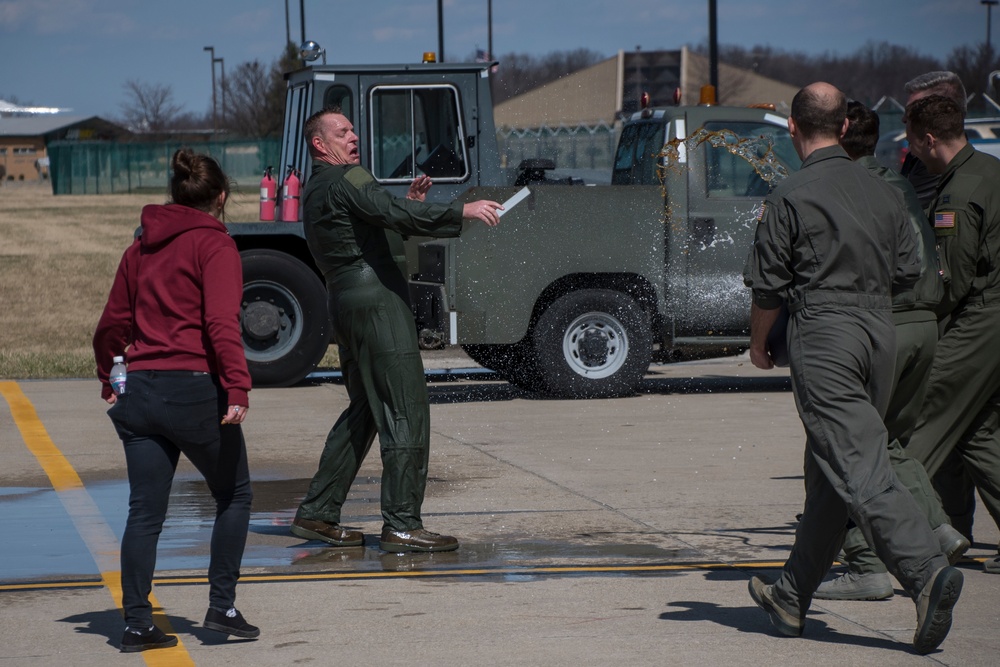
[992, 565]
[953, 543]
[787, 623]
[854, 586]
[934, 606]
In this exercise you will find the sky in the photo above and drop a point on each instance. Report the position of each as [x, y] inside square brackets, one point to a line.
[78, 54]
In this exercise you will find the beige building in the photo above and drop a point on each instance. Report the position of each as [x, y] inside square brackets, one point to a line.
[23, 141]
[610, 90]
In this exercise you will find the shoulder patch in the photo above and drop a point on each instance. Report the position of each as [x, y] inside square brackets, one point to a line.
[358, 177]
[761, 210]
[944, 223]
[944, 219]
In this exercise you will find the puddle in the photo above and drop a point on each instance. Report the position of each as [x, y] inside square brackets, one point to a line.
[42, 543]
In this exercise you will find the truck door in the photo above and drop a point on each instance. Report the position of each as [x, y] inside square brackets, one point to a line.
[418, 128]
[725, 192]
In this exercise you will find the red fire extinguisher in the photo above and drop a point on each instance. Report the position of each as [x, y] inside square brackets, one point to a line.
[290, 196]
[268, 196]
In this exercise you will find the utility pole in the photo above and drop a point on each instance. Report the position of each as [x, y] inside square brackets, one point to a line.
[713, 47]
[489, 30]
[288, 30]
[989, 23]
[222, 67]
[440, 31]
[302, 17]
[215, 116]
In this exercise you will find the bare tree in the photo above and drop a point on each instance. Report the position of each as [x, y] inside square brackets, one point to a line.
[520, 72]
[150, 107]
[874, 70]
[974, 65]
[248, 102]
[255, 96]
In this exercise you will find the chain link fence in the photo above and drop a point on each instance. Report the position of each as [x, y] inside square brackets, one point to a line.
[82, 167]
[587, 150]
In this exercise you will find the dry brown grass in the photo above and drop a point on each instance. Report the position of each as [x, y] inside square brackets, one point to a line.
[58, 257]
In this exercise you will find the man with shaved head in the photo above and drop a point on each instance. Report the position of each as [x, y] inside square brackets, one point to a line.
[833, 240]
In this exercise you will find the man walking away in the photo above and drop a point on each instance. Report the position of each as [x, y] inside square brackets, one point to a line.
[833, 240]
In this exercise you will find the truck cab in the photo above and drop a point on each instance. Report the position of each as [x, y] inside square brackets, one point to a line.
[580, 287]
[429, 118]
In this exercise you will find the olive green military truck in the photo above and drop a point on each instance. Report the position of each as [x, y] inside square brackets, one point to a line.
[581, 286]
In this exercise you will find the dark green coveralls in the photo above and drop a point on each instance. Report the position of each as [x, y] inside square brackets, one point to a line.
[952, 479]
[916, 337]
[355, 230]
[962, 408]
[833, 239]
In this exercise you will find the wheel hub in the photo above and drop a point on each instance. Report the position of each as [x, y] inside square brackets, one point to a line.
[593, 347]
[261, 320]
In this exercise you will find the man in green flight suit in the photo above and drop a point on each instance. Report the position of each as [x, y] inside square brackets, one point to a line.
[916, 337]
[833, 240]
[962, 409]
[952, 481]
[354, 228]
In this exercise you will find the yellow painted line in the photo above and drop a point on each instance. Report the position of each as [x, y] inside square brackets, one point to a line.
[86, 516]
[475, 572]
[524, 571]
[61, 474]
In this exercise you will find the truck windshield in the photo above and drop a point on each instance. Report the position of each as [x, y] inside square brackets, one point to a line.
[732, 175]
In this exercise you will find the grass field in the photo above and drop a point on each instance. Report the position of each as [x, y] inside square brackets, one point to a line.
[58, 257]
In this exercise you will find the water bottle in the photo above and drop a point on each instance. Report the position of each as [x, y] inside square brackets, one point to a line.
[118, 376]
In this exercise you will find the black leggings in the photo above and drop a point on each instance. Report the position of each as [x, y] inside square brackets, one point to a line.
[161, 415]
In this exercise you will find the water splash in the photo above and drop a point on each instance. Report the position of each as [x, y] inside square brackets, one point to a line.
[757, 150]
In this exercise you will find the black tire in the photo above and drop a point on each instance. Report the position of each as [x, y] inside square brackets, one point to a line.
[284, 320]
[514, 363]
[495, 357]
[592, 343]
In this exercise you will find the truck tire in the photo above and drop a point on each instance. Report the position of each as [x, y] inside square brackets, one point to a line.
[514, 363]
[284, 320]
[495, 357]
[592, 343]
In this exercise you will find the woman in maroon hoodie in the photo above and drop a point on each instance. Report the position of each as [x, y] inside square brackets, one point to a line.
[175, 303]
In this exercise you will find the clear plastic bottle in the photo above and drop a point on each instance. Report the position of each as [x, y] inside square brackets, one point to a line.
[118, 376]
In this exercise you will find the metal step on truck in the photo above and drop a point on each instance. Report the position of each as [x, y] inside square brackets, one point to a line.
[581, 286]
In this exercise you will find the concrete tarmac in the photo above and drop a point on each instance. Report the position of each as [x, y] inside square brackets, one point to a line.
[593, 532]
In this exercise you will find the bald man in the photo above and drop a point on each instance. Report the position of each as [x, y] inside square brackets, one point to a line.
[834, 241]
[355, 230]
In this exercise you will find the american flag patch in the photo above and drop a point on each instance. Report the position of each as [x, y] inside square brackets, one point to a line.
[760, 211]
[944, 220]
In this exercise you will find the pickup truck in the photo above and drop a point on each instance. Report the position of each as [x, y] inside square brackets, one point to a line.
[580, 287]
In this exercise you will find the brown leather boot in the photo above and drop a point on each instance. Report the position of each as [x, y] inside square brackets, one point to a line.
[331, 533]
[418, 539]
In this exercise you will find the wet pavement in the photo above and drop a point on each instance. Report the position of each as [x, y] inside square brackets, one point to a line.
[591, 531]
